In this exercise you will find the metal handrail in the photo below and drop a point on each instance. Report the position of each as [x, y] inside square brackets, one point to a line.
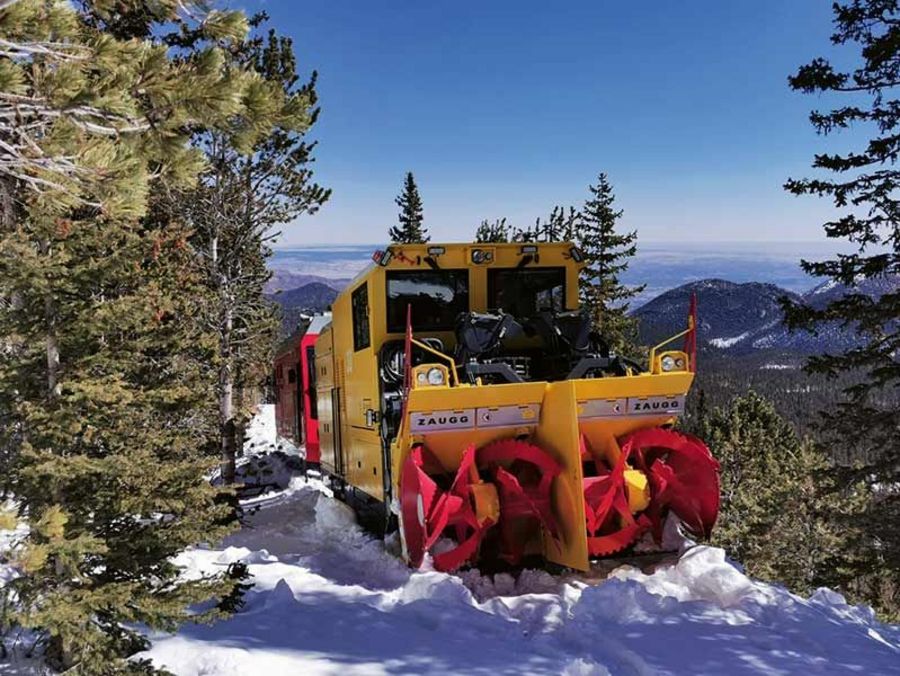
[654, 349]
[440, 355]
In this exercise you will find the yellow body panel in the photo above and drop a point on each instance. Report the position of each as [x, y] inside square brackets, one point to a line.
[352, 449]
[558, 434]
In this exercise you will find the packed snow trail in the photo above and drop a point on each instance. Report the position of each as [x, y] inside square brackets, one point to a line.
[329, 599]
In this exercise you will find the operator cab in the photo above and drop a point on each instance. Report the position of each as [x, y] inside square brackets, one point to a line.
[502, 312]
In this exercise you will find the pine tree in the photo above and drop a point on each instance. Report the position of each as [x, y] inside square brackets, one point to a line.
[410, 230]
[496, 232]
[561, 226]
[607, 254]
[782, 515]
[534, 233]
[864, 190]
[104, 372]
[246, 192]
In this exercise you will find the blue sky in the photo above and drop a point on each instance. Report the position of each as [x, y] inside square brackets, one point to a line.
[507, 108]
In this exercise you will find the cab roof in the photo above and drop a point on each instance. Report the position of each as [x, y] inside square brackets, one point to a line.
[460, 255]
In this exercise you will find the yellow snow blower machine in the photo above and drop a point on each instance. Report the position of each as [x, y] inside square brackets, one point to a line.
[463, 395]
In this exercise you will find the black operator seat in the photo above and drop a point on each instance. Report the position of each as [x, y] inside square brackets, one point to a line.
[479, 333]
[567, 333]
[578, 334]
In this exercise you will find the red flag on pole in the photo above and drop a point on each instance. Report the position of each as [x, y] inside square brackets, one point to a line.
[407, 362]
[690, 340]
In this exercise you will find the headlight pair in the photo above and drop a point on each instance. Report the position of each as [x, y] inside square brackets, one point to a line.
[432, 376]
[670, 363]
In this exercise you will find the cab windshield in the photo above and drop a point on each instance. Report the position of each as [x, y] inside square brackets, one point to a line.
[526, 291]
[437, 297]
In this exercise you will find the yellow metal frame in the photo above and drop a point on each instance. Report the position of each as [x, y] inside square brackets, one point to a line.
[451, 365]
[598, 410]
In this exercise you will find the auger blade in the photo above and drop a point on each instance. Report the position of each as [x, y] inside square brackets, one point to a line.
[417, 495]
[684, 476]
[515, 465]
[426, 512]
[607, 508]
[509, 480]
[605, 545]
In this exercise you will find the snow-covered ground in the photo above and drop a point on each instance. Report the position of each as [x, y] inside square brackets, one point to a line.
[328, 599]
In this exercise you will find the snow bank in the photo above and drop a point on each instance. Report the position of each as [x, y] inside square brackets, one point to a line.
[328, 599]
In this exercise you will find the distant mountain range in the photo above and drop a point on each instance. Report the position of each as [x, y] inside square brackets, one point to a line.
[284, 280]
[748, 317]
[309, 298]
[733, 317]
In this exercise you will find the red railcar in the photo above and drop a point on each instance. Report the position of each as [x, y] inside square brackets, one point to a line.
[295, 387]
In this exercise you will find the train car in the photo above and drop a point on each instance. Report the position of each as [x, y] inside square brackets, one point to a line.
[296, 410]
[464, 398]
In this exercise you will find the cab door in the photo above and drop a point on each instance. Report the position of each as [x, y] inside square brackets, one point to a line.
[361, 440]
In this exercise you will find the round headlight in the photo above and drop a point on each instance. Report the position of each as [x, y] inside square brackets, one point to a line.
[679, 363]
[435, 376]
[478, 256]
[667, 363]
[421, 377]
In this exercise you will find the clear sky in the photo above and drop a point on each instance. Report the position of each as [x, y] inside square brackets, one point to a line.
[507, 108]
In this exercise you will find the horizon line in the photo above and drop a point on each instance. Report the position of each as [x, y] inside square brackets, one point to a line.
[666, 242]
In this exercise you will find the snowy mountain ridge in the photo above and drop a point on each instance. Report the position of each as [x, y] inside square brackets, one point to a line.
[743, 317]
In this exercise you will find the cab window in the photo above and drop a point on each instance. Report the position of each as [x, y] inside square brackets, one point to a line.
[526, 291]
[437, 297]
[359, 306]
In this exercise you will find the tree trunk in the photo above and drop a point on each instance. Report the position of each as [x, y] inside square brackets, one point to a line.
[53, 386]
[226, 376]
[51, 340]
[226, 393]
[240, 429]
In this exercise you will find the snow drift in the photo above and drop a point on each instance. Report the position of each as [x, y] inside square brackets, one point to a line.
[329, 599]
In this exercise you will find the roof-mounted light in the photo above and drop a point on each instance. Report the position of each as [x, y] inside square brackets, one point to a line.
[576, 254]
[383, 257]
[480, 256]
[528, 250]
[436, 251]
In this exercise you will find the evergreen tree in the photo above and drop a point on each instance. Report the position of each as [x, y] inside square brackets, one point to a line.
[561, 226]
[864, 190]
[410, 230]
[103, 371]
[781, 514]
[245, 193]
[534, 233]
[496, 232]
[607, 253]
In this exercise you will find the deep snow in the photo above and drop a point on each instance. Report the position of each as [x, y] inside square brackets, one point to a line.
[328, 599]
